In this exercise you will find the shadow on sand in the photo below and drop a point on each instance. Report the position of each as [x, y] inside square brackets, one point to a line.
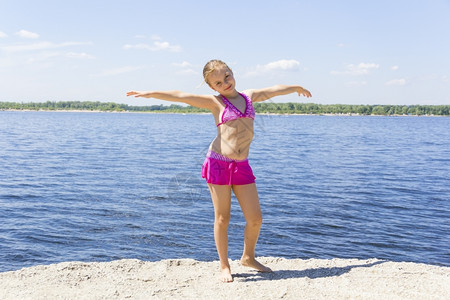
[309, 273]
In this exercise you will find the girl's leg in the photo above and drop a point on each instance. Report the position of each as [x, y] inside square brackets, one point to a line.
[247, 196]
[221, 198]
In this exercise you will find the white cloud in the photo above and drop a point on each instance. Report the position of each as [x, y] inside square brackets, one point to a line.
[279, 65]
[401, 81]
[156, 46]
[356, 83]
[166, 46]
[184, 64]
[394, 68]
[44, 58]
[39, 46]
[40, 54]
[185, 68]
[3, 35]
[81, 55]
[356, 70]
[285, 65]
[27, 34]
[187, 72]
[41, 57]
[118, 71]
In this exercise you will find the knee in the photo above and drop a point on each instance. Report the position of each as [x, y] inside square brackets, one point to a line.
[222, 220]
[255, 221]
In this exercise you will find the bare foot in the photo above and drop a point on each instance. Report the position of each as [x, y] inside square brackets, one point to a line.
[253, 263]
[225, 275]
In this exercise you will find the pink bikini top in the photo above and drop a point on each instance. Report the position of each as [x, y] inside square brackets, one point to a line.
[231, 112]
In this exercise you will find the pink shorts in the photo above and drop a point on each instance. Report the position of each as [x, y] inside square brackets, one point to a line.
[219, 169]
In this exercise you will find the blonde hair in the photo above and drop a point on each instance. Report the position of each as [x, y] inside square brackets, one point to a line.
[211, 66]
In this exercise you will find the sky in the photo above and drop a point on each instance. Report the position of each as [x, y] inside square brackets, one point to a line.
[344, 52]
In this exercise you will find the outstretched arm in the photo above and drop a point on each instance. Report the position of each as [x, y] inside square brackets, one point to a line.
[278, 90]
[201, 101]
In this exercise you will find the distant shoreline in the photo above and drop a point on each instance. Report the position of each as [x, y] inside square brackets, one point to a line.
[207, 113]
[290, 108]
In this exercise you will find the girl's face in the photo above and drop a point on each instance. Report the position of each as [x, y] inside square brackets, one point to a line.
[222, 81]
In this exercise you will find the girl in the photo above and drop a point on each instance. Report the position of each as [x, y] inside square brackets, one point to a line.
[226, 167]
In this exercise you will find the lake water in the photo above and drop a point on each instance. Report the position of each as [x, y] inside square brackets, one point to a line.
[105, 186]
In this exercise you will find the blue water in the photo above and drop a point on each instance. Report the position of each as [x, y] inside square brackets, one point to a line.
[105, 186]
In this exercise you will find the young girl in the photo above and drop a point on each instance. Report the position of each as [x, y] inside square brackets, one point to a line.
[226, 167]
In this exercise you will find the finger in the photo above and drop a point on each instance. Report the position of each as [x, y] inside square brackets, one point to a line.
[306, 93]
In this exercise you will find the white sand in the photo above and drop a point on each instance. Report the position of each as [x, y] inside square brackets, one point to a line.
[190, 279]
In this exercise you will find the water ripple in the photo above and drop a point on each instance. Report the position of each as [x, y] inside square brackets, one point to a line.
[77, 186]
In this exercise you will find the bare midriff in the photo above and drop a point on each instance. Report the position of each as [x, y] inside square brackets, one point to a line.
[234, 138]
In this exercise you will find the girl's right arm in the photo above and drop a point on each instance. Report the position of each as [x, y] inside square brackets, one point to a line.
[200, 101]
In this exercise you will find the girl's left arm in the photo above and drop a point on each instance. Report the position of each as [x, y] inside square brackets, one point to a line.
[277, 90]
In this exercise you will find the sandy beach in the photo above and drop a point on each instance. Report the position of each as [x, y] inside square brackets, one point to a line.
[191, 279]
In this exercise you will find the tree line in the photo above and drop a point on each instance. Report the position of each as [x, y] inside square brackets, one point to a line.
[267, 107]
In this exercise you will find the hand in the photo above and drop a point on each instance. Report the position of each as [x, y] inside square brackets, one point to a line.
[304, 92]
[137, 94]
